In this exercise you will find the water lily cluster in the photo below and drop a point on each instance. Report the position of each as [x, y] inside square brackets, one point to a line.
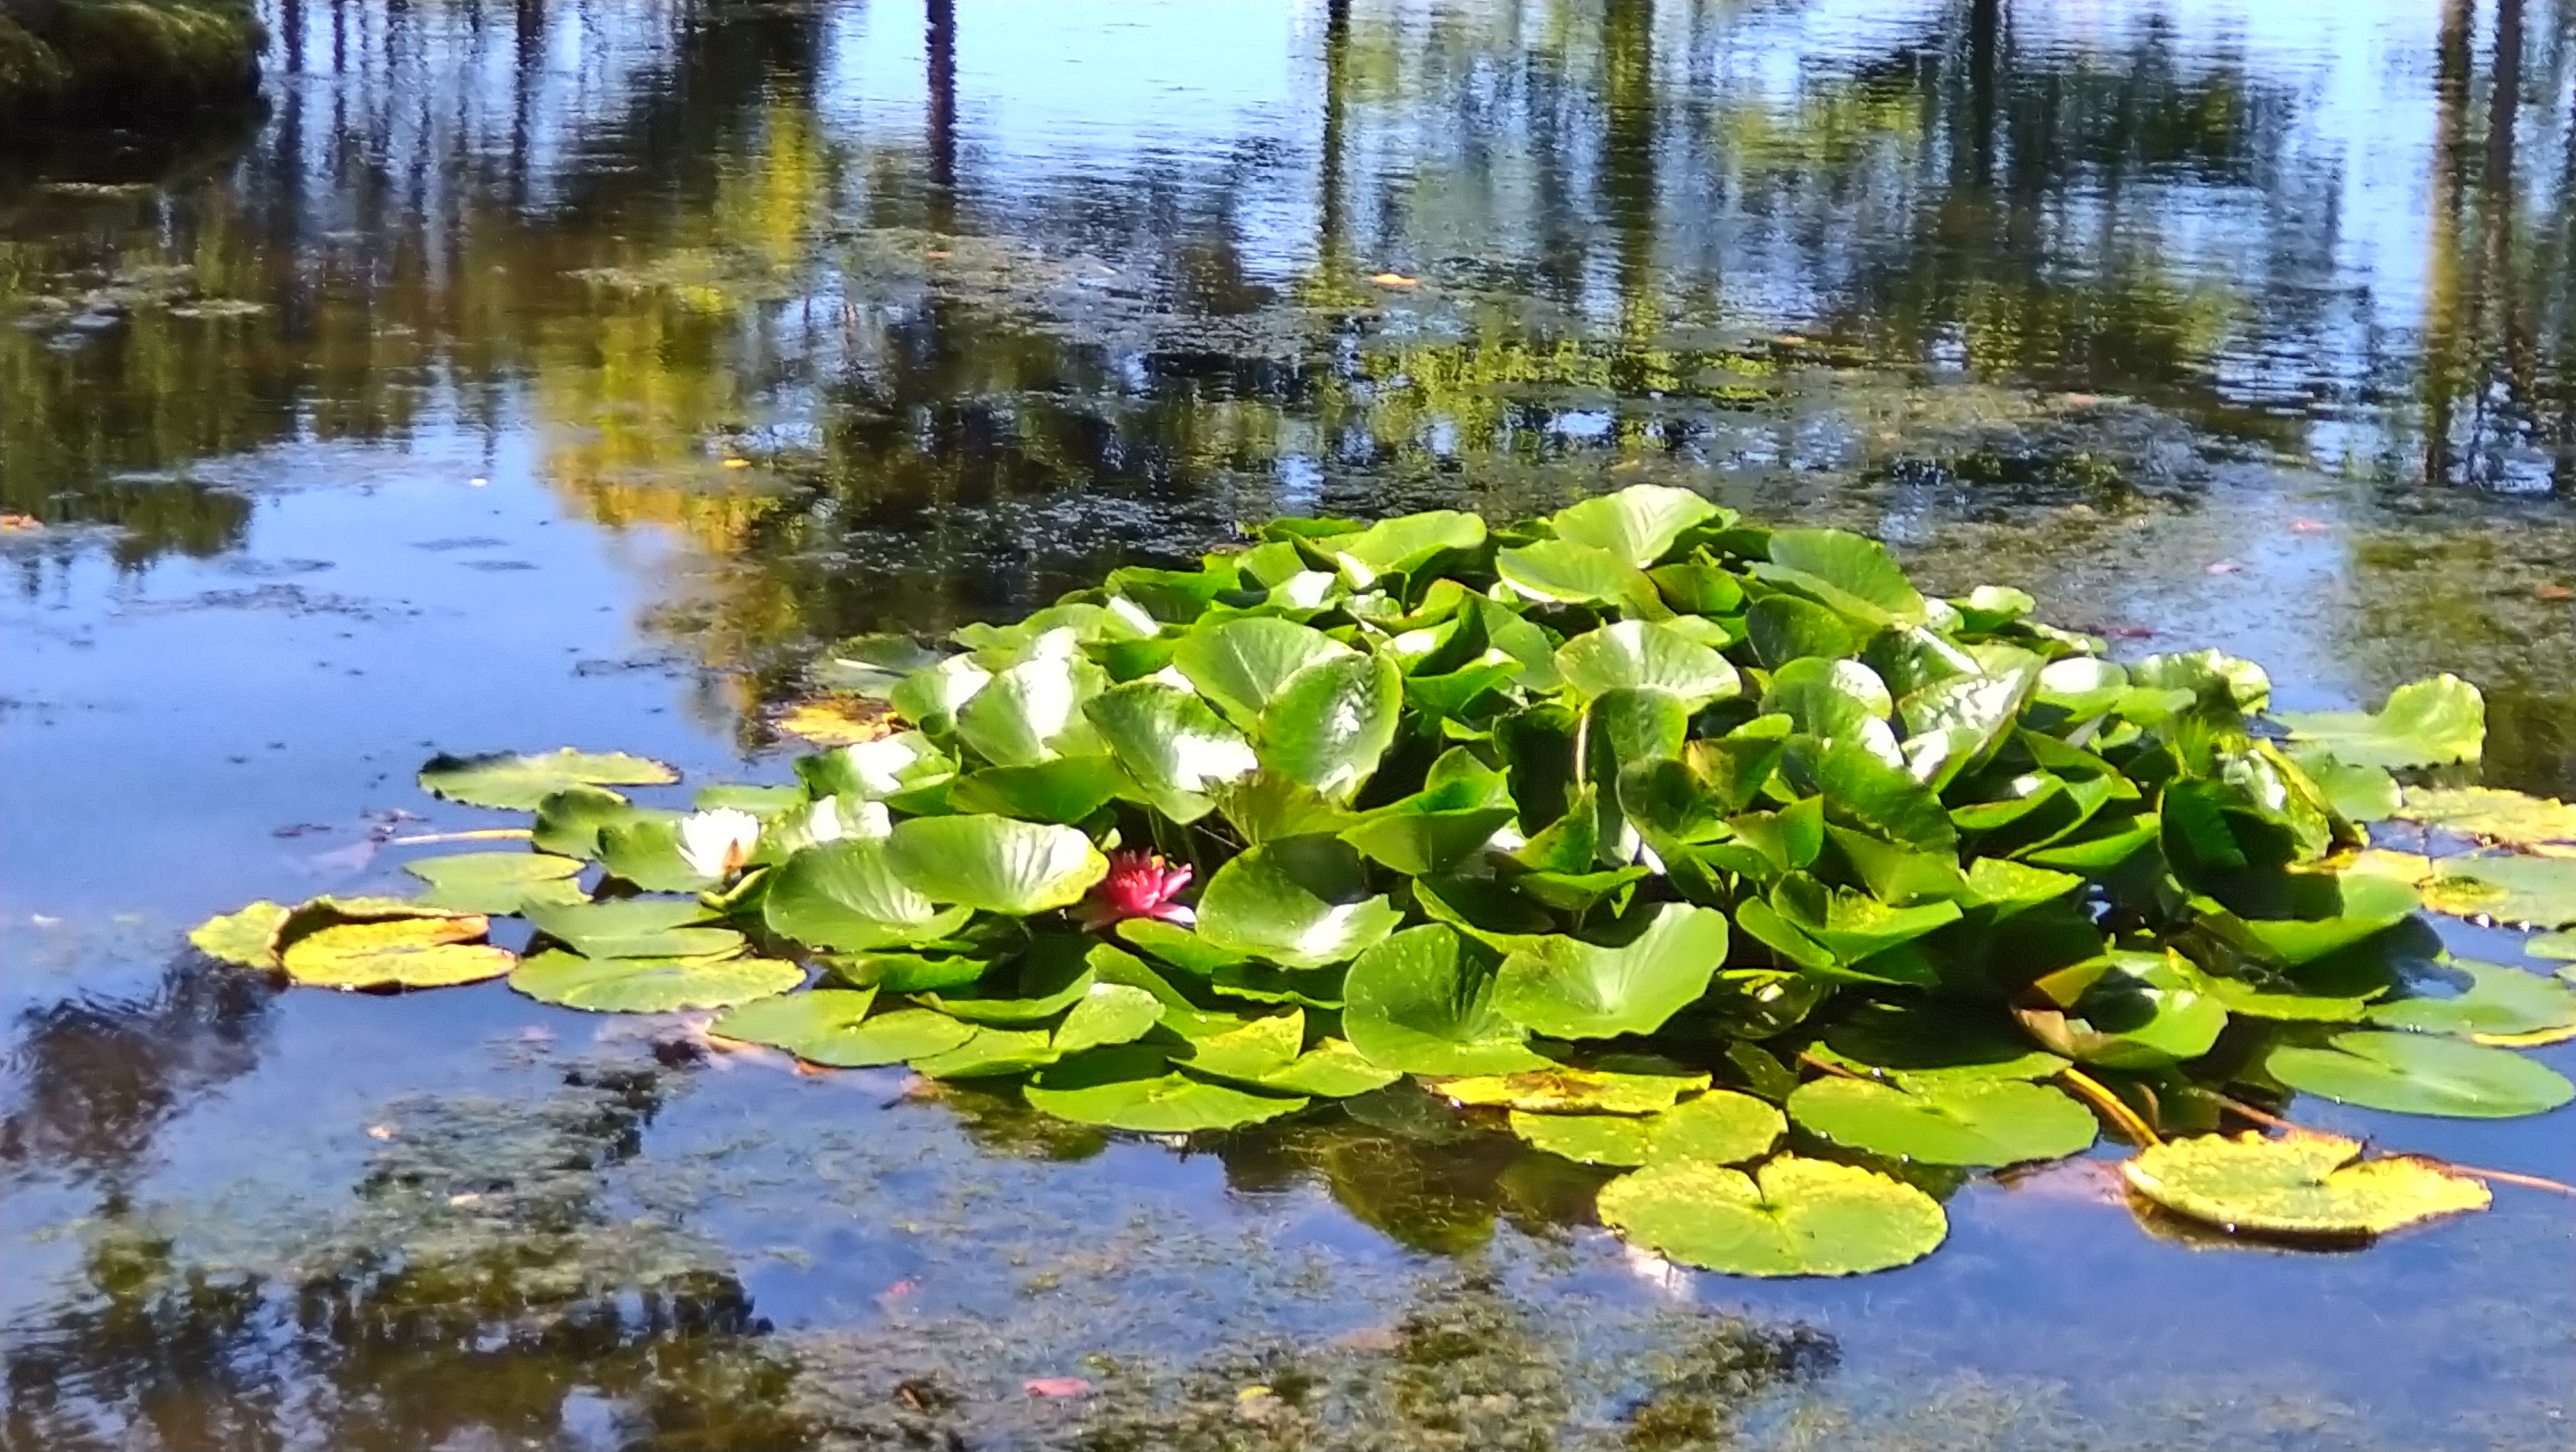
[1715, 855]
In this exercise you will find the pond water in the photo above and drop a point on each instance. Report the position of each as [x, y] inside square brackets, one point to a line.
[567, 372]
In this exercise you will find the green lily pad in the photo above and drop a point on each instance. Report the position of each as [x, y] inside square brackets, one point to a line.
[1927, 1039]
[2308, 1184]
[1172, 744]
[1135, 1087]
[1645, 1089]
[569, 821]
[242, 937]
[2425, 723]
[1241, 665]
[1067, 790]
[1720, 1127]
[2510, 818]
[991, 1053]
[651, 985]
[1045, 981]
[1409, 541]
[833, 1027]
[1301, 902]
[1422, 1002]
[1332, 1069]
[1590, 1139]
[1425, 843]
[1792, 1217]
[1107, 1013]
[496, 882]
[1783, 628]
[1639, 524]
[2496, 1000]
[1644, 655]
[846, 895]
[2539, 891]
[1953, 1121]
[1573, 989]
[995, 864]
[1569, 573]
[403, 952]
[2416, 1074]
[640, 927]
[1851, 574]
[518, 782]
[2357, 793]
[2144, 1011]
[2560, 947]
[1033, 712]
[1327, 726]
[2248, 1000]
[1249, 1051]
[647, 850]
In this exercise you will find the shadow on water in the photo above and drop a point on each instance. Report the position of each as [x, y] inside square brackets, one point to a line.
[569, 370]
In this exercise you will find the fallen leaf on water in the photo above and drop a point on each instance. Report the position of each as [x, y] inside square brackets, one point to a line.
[1056, 1386]
[2307, 526]
[737, 463]
[468, 1198]
[2556, 592]
[1395, 279]
[938, 256]
[20, 521]
[2227, 567]
[380, 1131]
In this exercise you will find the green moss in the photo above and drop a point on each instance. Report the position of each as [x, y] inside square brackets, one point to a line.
[157, 55]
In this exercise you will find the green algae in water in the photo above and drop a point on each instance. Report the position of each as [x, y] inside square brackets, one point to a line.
[1514, 801]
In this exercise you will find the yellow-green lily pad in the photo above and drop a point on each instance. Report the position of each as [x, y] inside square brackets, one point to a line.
[242, 937]
[2510, 818]
[2309, 1184]
[1568, 1090]
[652, 985]
[1790, 1217]
[424, 952]
[519, 781]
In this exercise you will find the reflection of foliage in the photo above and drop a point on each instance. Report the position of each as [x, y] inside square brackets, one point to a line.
[100, 1078]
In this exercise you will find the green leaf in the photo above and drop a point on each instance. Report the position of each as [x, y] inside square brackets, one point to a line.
[1637, 525]
[2308, 1184]
[2415, 1074]
[1107, 1013]
[1800, 1217]
[1299, 901]
[1945, 1121]
[1646, 1087]
[832, 1027]
[1408, 541]
[872, 665]
[651, 985]
[1929, 1038]
[876, 771]
[1134, 1087]
[1851, 574]
[1033, 712]
[569, 821]
[909, 972]
[846, 895]
[1250, 1050]
[639, 927]
[1853, 925]
[1266, 806]
[1331, 1069]
[2144, 1011]
[2357, 793]
[242, 937]
[1422, 1002]
[2539, 891]
[995, 864]
[392, 952]
[1828, 698]
[517, 782]
[2217, 682]
[1327, 726]
[2509, 818]
[1426, 843]
[1066, 790]
[1720, 1127]
[1565, 572]
[2495, 1000]
[1589, 1139]
[1644, 655]
[1784, 628]
[1862, 789]
[496, 882]
[992, 1052]
[1052, 976]
[2425, 723]
[2560, 947]
[645, 850]
[1242, 664]
[1172, 744]
[1573, 989]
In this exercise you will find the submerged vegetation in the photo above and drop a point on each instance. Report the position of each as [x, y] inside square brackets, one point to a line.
[120, 57]
[1711, 853]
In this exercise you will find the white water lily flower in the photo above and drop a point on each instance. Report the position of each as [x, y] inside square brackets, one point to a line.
[717, 843]
[831, 820]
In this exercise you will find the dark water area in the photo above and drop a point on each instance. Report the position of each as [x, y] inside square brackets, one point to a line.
[541, 373]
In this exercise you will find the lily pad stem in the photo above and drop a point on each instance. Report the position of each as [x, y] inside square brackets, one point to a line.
[485, 834]
[1830, 1067]
[2501, 1177]
[2110, 1106]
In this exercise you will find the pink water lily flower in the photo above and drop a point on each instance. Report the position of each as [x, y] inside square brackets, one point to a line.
[1139, 885]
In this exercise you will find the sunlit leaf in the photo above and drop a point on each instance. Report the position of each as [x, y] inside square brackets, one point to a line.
[2419, 1074]
[2425, 723]
[2307, 1184]
[2509, 818]
[243, 937]
[496, 882]
[2493, 1000]
[400, 952]
[1632, 1088]
[1300, 901]
[518, 782]
[1643, 655]
[1637, 525]
[1791, 1217]
[1945, 1121]
[995, 864]
[1575, 989]
[1422, 1002]
[641, 927]
[1135, 1087]
[846, 895]
[651, 985]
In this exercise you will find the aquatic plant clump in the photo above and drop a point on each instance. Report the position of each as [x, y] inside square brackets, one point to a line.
[1715, 855]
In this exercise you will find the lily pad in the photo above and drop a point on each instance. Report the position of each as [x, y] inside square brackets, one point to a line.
[1720, 1127]
[1846, 572]
[1241, 665]
[1569, 988]
[651, 985]
[497, 882]
[1172, 744]
[411, 952]
[1927, 1039]
[995, 864]
[1638, 524]
[1590, 1139]
[1569, 573]
[833, 1027]
[518, 782]
[2496, 1000]
[1134, 1087]
[1301, 902]
[242, 937]
[639, 927]
[2309, 1184]
[1107, 1013]
[2416, 1074]
[991, 1053]
[1332, 1069]
[1645, 1089]
[1953, 1121]
[1644, 655]
[1327, 726]
[1792, 1217]
[846, 895]
[2425, 723]
[2540, 891]
[2510, 818]
[1422, 1002]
